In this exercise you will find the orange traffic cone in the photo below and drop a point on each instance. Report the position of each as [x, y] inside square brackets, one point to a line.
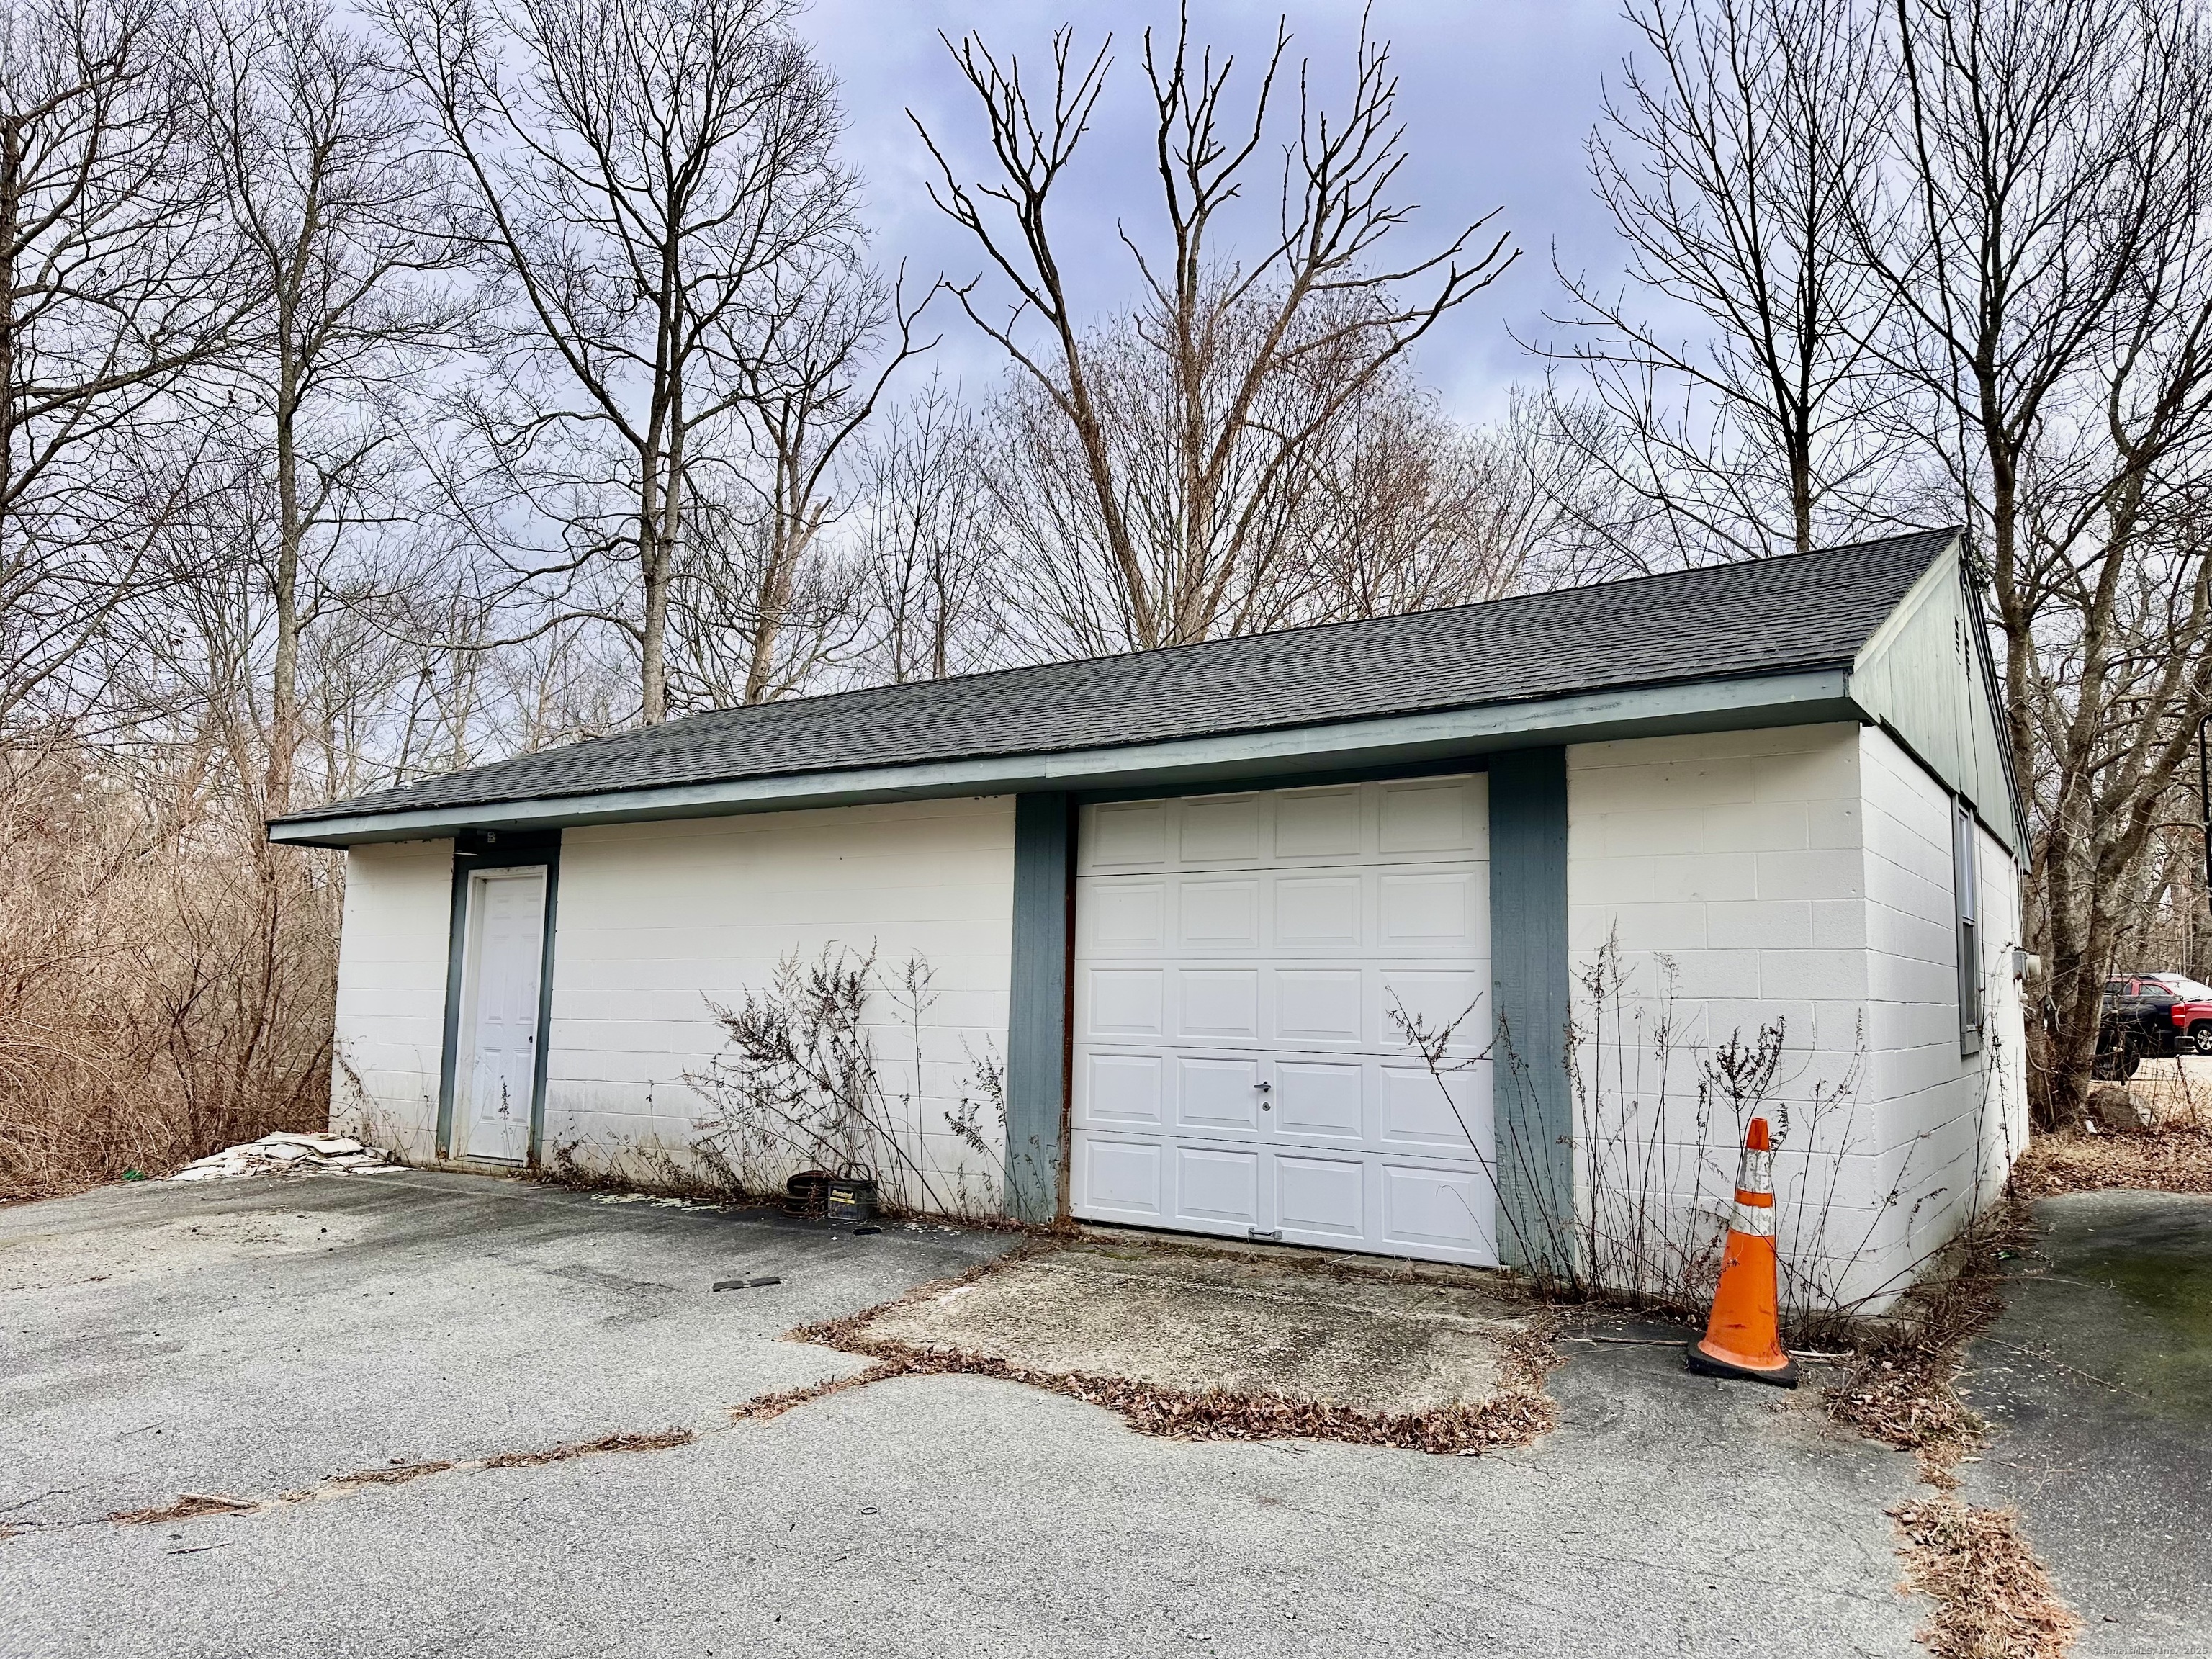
[1743, 1338]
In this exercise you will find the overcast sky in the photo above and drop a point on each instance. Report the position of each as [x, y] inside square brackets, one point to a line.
[1498, 97]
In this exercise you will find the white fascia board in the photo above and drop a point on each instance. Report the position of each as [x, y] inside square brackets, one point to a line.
[1401, 740]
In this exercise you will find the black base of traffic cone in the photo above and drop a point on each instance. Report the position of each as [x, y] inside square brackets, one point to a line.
[1785, 1377]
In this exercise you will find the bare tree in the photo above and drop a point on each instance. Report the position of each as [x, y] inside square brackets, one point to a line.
[2053, 268]
[1406, 510]
[926, 543]
[338, 211]
[642, 170]
[811, 386]
[1738, 165]
[115, 281]
[1234, 367]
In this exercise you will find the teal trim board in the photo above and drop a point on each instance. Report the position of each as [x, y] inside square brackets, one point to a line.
[1533, 1106]
[1036, 1018]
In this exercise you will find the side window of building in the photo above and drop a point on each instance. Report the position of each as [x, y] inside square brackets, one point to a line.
[1967, 889]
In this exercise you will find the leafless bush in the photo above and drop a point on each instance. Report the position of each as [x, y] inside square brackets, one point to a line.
[1659, 1120]
[800, 1081]
[164, 983]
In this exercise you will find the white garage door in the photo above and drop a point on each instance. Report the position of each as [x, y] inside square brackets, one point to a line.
[1237, 1069]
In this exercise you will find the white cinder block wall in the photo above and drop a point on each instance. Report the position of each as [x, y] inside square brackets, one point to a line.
[1799, 875]
[1952, 1126]
[391, 1029]
[655, 920]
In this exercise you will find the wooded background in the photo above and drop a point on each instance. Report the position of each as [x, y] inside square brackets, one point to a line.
[385, 392]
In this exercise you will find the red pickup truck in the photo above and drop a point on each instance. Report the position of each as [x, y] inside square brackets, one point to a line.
[2151, 1016]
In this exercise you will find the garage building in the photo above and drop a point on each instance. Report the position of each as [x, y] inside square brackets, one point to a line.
[1360, 936]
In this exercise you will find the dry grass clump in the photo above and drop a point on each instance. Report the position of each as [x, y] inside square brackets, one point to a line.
[166, 979]
[1901, 1388]
[763, 1406]
[1993, 1598]
[392, 1475]
[192, 1504]
[2175, 1159]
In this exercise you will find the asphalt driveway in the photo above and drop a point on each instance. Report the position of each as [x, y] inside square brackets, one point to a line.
[2097, 1378]
[248, 1339]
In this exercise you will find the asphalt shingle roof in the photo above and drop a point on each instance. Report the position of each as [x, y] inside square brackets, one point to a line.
[1773, 615]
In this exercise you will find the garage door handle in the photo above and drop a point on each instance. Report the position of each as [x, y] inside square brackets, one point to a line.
[1264, 1088]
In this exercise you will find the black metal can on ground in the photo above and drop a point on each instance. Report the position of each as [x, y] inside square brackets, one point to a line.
[807, 1192]
[852, 1198]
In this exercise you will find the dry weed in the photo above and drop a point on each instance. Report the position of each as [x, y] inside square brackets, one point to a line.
[1515, 1417]
[1993, 1598]
[165, 978]
[606, 1443]
[190, 1504]
[763, 1406]
[187, 1505]
[395, 1474]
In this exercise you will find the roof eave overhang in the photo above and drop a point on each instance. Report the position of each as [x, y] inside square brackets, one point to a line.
[1798, 698]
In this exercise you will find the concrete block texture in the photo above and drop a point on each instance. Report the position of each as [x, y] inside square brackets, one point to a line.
[1821, 901]
[391, 1016]
[661, 922]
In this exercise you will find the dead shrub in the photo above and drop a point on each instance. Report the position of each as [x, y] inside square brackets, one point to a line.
[800, 1081]
[165, 978]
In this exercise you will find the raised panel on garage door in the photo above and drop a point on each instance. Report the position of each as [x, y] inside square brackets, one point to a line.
[1257, 975]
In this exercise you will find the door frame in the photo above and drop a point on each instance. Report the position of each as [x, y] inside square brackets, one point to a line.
[476, 851]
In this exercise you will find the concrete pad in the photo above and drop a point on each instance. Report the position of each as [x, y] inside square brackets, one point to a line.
[1248, 1322]
[2098, 1379]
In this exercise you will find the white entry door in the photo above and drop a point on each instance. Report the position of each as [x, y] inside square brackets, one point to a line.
[496, 1080]
[1237, 1066]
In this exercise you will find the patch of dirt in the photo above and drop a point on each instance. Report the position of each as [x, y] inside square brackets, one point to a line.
[2175, 1159]
[1993, 1598]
